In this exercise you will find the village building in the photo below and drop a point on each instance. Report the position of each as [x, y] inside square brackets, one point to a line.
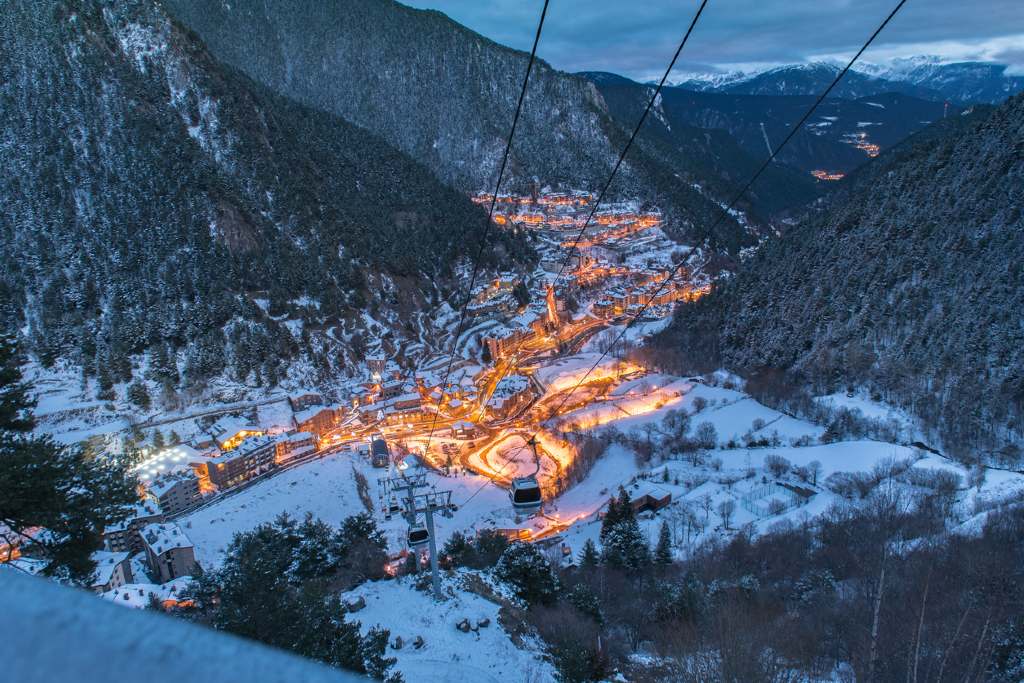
[318, 420]
[176, 491]
[113, 570]
[295, 445]
[169, 552]
[649, 498]
[510, 394]
[125, 536]
[464, 429]
[252, 457]
[229, 431]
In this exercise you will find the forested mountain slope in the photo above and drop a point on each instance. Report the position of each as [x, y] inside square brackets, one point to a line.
[446, 95]
[709, 145]
[828, 141]
[146, 188]
[910, 282]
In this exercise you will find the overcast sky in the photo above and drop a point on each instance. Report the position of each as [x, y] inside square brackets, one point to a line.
[636, 38]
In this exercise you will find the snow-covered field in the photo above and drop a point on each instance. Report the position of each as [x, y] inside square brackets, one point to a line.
[485, 655]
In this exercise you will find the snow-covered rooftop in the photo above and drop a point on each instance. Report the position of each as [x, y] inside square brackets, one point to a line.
[163, 537]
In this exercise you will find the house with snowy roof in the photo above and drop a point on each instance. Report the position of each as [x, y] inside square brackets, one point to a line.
[229, 431]
[169, 552]
[113, 570]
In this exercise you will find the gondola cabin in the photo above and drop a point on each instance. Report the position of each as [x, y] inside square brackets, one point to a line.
[525, 493]
[380, 454]
[418, 536]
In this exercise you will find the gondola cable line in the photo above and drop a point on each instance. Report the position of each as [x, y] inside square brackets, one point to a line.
[636, 130]
[724, 212]
[487, 226]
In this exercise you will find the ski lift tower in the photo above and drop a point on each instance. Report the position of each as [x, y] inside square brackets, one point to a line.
[427, 504]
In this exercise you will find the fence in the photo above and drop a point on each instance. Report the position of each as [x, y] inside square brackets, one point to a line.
[758, 501]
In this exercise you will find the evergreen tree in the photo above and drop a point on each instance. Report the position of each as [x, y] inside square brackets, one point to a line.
[372, 649]
[589, 557]
[139, 395]
[586, 601]
[611, 517]
[273, 586]
[55, 501]
[528, 572]
[663, 551]
[15, 402]
[158, 440]
[458, 551]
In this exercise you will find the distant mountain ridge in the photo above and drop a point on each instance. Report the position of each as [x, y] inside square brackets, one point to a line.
[925, 77]
[839, 136]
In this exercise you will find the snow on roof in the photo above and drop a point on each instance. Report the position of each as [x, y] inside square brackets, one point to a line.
[137, 595]
[312, 412]
[170, 460]
[646, 488]
[299, 436]
[510, 384]
[230, 425]
[106, 563]
[245, 448]
[23, 565]
[143, 509]
[163, 537]
[165, 483]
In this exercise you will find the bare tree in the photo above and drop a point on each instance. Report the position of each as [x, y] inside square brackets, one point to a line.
[725, 510]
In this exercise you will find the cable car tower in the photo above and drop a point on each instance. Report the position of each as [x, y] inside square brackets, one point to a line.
[416, 504]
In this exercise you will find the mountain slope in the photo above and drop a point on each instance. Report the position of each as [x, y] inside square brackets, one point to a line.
[147, 187]
[910, 282]
[829, 141]
[445, 95]
[711, 150]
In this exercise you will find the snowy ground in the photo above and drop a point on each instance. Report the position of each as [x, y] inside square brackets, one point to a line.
[487, 655]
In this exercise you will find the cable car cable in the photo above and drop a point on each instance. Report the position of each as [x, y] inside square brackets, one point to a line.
[487, 226]
[725, 211]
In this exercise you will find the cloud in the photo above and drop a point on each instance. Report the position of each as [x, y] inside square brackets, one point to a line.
[637, 39]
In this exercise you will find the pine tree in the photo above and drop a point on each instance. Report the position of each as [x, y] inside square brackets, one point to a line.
[15, 403]
[51, 487]
[589, 557]
[139, 395]
[372, 649]
[586, 601]
[528, 572]
[611, 517]
[663, 551]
